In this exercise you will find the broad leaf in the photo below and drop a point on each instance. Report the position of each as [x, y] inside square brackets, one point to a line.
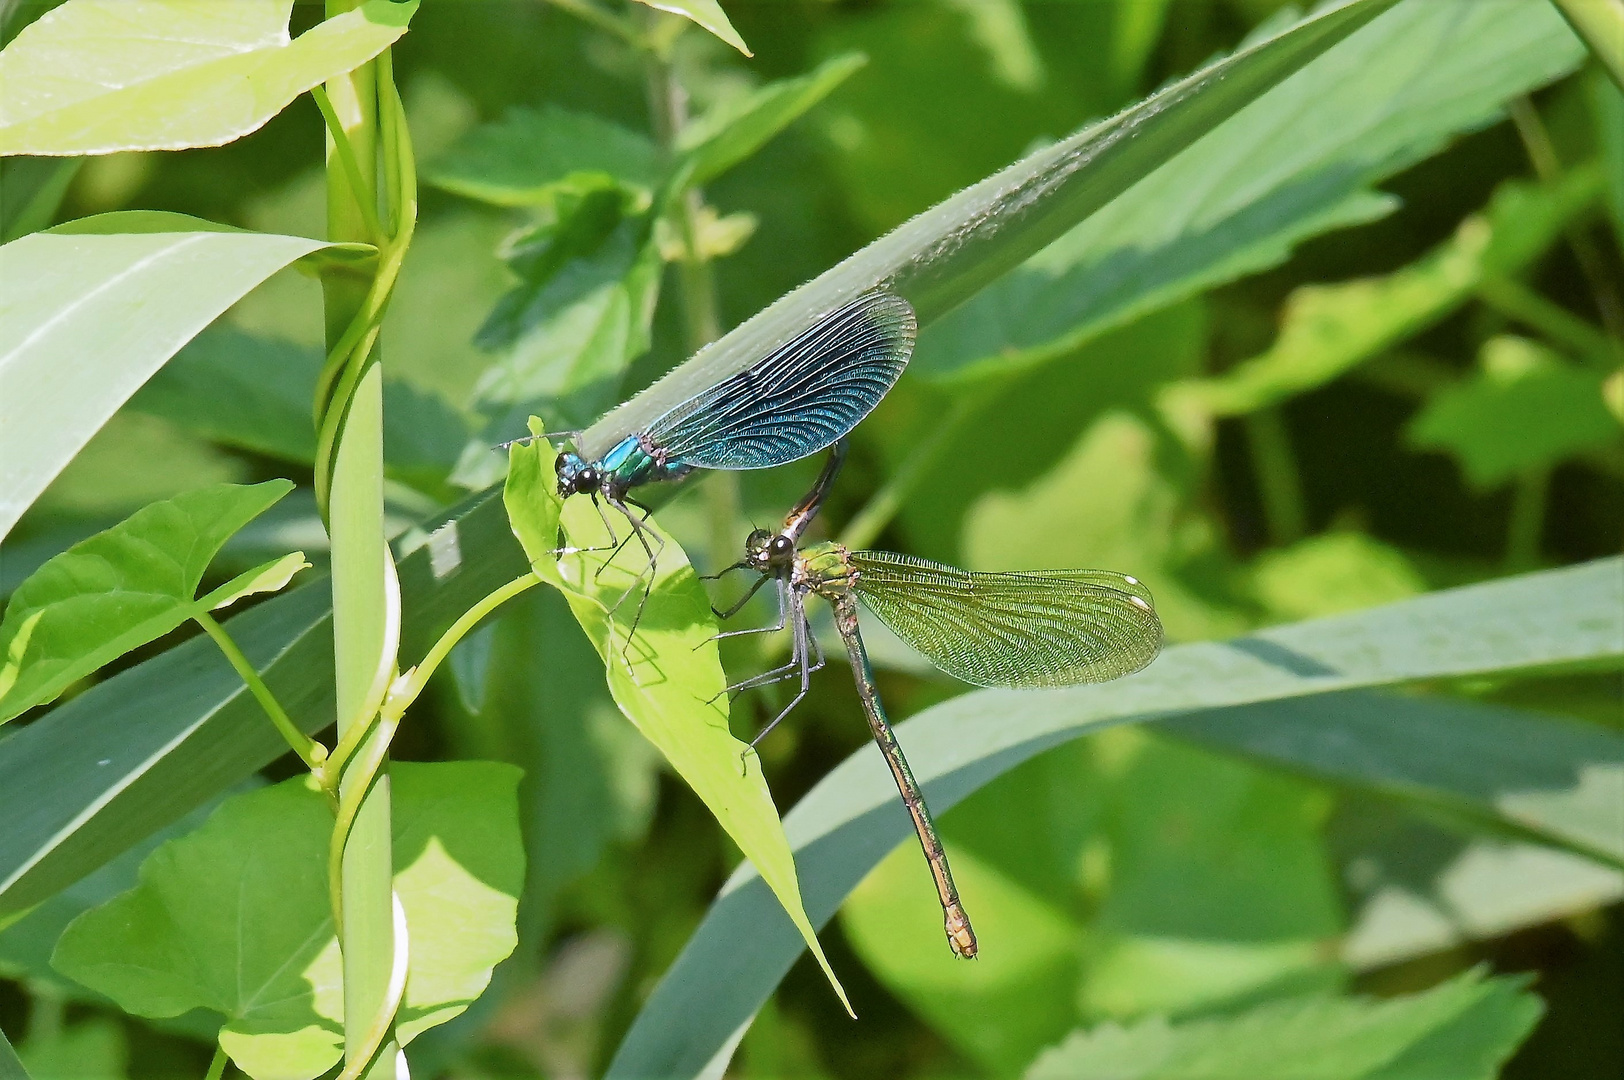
[667, 678]
[1462, 1030]
[707, 13]
[735, 129]
[1298, 162]
[532, 156]
[850, 820]
[948, 253]
[119, 305]
[177, 941]
[98, 76]
[1525, 408]
[125, 587]
[143, 748]
[1329, 329]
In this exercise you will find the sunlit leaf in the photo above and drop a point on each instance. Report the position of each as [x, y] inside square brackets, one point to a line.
[124, 587]
[1525, 408]
[119, 305]
[97, 76]
[848, 822]
[1462, 1030]
[734, 130]
[1332, 573]
[1274, 175]
[707, 13]
[176, 942]
[1328, 329]
[668, 679]
[531, 156]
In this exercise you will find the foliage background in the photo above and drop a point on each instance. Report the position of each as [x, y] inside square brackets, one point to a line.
[1113, 853]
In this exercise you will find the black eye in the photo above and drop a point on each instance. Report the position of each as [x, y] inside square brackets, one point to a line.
[587, 479]
[782, 545]
[560, 463]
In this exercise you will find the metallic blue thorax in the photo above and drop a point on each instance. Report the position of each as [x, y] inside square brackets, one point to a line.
[632, 463]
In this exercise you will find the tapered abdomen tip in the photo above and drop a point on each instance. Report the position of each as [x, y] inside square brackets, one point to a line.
[959, 933]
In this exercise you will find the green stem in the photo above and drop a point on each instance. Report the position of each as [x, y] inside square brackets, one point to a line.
[311, 752]
[1600, 23]
[1527, 524]
[1279, 484]
[359, 189]
[866, 526]
[217, 1067]
[411, 686]
[1562, 327]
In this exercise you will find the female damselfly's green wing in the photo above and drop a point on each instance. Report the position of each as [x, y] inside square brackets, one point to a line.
[1027, 629]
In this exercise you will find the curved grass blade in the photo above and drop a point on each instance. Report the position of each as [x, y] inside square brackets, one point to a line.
[798, 399]
[946, 254]
[1040, 628]
[848, 822]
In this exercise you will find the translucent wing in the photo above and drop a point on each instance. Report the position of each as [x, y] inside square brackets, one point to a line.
[1030, 629]
[798, 399]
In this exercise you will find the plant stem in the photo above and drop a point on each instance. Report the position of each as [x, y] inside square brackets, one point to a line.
[1561, 326]
[352, 167]
[361, 569]
[420, 675]
[217, 1067]
[1600, 23]
[311, 752]
[1527, 525]
[1279, 484]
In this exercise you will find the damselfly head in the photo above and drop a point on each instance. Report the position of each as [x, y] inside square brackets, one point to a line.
[576, 476]
[767, 551]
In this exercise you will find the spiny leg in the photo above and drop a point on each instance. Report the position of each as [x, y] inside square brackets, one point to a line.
[803, 637]
[643, 533]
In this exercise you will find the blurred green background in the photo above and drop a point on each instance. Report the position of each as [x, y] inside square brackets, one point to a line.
[1314, 431]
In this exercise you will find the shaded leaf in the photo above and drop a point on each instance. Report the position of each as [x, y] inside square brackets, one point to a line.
[1525, 408]
[532, 156]
[1462, 1030]
[667, 679]
[91, 1049]
[1328, 329]
[177, 941]
[1267, 179]
[122, 588]
[120, 304]
[849, 820]
[97, 76]
[707, 13]
[732, 131]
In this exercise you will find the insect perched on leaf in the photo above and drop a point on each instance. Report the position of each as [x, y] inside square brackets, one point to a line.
[1029, 629]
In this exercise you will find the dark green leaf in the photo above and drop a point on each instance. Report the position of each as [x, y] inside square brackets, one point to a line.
[532, 157]
[120, 589]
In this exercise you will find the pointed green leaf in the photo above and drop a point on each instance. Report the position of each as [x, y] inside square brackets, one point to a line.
[98, 76]
[119, 305]
[120, 589]
[228, 918]
[531, 156]
[707, 13]
[1462, 1030]
[268, 577]
[734, 130]
[668, 680]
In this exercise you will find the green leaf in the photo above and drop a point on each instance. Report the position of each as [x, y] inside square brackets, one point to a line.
[11, 1067]
[842, 828]
[1463, 1029]
[1329, 329]
[120, 305]
[91, 1049]
[737, 128]
[125, 587]
[532, 156]
[1525, 408]
[228, 919]
[269, 577]
[95, 77]
[1265, 180]
[139, 750]
[668, 679]
[707, 13]
[1332, 573]
[947, 254]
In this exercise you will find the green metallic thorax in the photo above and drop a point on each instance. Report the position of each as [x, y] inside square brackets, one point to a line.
[825, 569]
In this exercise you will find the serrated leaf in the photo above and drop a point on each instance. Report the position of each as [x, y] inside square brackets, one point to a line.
[735, 129]
[1525, 408]
[120, 589]
[99, 76]
[668, 680]
[1267, 179]
[120, 304]
[531, 156]
[1329, 329]
[229, 918]
[708, 14]
[1461, 1030]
